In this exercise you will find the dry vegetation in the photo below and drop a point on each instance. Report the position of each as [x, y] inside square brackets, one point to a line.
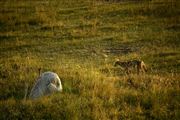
[80, 40]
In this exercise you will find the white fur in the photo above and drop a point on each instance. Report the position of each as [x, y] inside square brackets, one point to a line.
[46, 84]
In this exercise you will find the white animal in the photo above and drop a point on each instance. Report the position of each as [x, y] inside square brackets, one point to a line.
[47, 83]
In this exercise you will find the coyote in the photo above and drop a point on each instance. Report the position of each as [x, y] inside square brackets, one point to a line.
[128, 65]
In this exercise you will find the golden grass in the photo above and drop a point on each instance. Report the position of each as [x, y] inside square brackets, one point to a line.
[80, 40]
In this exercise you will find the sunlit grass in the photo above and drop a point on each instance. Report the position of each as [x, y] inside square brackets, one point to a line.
[80, 41]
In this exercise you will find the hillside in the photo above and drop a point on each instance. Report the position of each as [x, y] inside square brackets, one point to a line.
[80, 41]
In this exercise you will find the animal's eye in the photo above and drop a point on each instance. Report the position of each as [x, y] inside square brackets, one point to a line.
[53, 82]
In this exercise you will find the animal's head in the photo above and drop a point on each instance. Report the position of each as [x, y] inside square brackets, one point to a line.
[56, 82]
[116, 62]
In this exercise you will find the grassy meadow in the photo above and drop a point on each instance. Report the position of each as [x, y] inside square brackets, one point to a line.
[80, 41]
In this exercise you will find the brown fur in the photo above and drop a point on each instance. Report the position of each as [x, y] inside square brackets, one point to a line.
[128, 65]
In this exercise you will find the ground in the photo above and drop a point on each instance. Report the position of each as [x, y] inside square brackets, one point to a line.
[80, 41]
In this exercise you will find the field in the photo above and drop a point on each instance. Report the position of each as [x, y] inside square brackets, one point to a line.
[80, 41]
